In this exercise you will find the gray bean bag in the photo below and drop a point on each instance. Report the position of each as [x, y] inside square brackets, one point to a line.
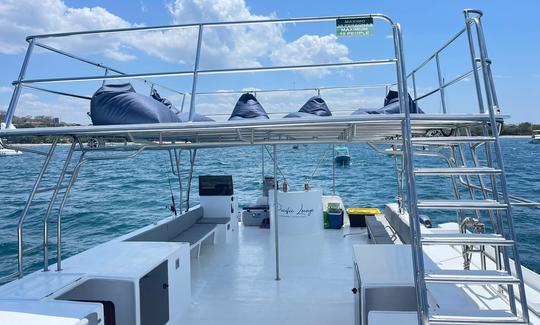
[391, 106]
[248, 107]
[315, 106]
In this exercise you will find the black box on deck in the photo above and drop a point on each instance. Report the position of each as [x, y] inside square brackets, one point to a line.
[357, 216]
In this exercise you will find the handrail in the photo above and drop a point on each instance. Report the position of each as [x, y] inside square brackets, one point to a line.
[212, 24]
[195, 71]
[206, 72]
[100, 65]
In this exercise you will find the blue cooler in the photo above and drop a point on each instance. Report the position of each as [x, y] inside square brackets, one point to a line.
[335, 219]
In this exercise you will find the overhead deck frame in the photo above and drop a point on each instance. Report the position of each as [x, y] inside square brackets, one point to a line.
[402, 131]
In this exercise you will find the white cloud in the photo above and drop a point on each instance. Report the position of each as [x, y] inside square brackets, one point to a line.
[5, 89]
[223, 47]
[71, 110]
[20, 18]
[233, 46]
[311, 49]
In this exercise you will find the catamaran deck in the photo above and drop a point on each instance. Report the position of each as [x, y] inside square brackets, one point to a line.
[235, 283]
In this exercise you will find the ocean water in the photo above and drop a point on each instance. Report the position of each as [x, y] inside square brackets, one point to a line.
[111, 198]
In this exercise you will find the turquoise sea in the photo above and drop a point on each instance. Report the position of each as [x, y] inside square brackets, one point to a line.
[112, 198]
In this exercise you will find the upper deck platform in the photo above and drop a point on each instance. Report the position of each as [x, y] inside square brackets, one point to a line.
[338, 129]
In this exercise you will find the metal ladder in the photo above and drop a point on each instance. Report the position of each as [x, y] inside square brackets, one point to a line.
[61, 189]
[496, 202]
[175, 158]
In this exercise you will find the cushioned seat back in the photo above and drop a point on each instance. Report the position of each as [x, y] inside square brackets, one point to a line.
[158, 233]
[184, 222]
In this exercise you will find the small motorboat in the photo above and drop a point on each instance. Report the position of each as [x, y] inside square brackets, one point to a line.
[535, 137]
[8, 152]
[342, 156]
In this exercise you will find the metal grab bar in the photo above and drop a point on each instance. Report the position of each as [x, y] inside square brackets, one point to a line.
[216, 24]
[207, 72]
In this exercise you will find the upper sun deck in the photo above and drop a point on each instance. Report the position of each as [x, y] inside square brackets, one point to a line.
[347, 83]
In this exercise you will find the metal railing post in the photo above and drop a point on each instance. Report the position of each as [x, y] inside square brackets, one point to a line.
[504, 187]
[276, 217]
[20, 247]
[413, 75]
[51, 205]
[61, 209]
[195, 74]
[17, 91]
[441, 83]
[416, 245]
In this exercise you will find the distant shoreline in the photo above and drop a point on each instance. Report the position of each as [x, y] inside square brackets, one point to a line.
[515, 136]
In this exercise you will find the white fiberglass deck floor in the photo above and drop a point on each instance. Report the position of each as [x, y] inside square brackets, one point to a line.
[235, 284]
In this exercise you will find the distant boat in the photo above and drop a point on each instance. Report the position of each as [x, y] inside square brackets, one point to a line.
[295, 146]
[342, 156]
[535, 137]
[8, 152]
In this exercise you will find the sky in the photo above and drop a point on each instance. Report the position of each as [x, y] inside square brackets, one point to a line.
[510, 33]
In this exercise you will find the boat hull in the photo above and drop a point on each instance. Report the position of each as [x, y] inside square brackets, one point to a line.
[343, 160]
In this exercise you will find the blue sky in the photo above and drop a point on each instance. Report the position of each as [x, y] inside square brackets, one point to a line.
[511, 38]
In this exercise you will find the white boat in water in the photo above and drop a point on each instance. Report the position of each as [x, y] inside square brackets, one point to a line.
[274, 262]
[535, 137]
[9, 152]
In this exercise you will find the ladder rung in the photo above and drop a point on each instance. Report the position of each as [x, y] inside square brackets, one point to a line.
[461, 204]
[466, 239]
[49, 189]
[471, 277]
[491, 320]
[451, 140]
[457, 171]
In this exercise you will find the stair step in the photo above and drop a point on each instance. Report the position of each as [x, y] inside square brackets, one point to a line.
[466, 239]
[451, 140]
[487, 320]
[470, 277]
[461, 204]
[457, 171]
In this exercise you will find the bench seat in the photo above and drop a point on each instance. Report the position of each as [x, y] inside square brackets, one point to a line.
[195, 234]
[216, 221]
[377, 231]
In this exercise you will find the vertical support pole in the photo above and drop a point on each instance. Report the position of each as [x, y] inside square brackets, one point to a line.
[276, 217]
[262, 165]
[416, 244]
[333, 170]
[183, 102]
[51, 205]
[414, 84]
[17, 91]
[177, 158]
[441, 83]
[488, 80]
[195, 74]
[192, 156]
[61, 209]
[106, 73]
[20, 247]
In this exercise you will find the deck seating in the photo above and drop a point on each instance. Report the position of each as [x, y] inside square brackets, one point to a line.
[377, 231]
[191, 227]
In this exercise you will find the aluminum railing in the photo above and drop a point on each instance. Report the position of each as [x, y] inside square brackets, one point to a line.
[194, 72]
